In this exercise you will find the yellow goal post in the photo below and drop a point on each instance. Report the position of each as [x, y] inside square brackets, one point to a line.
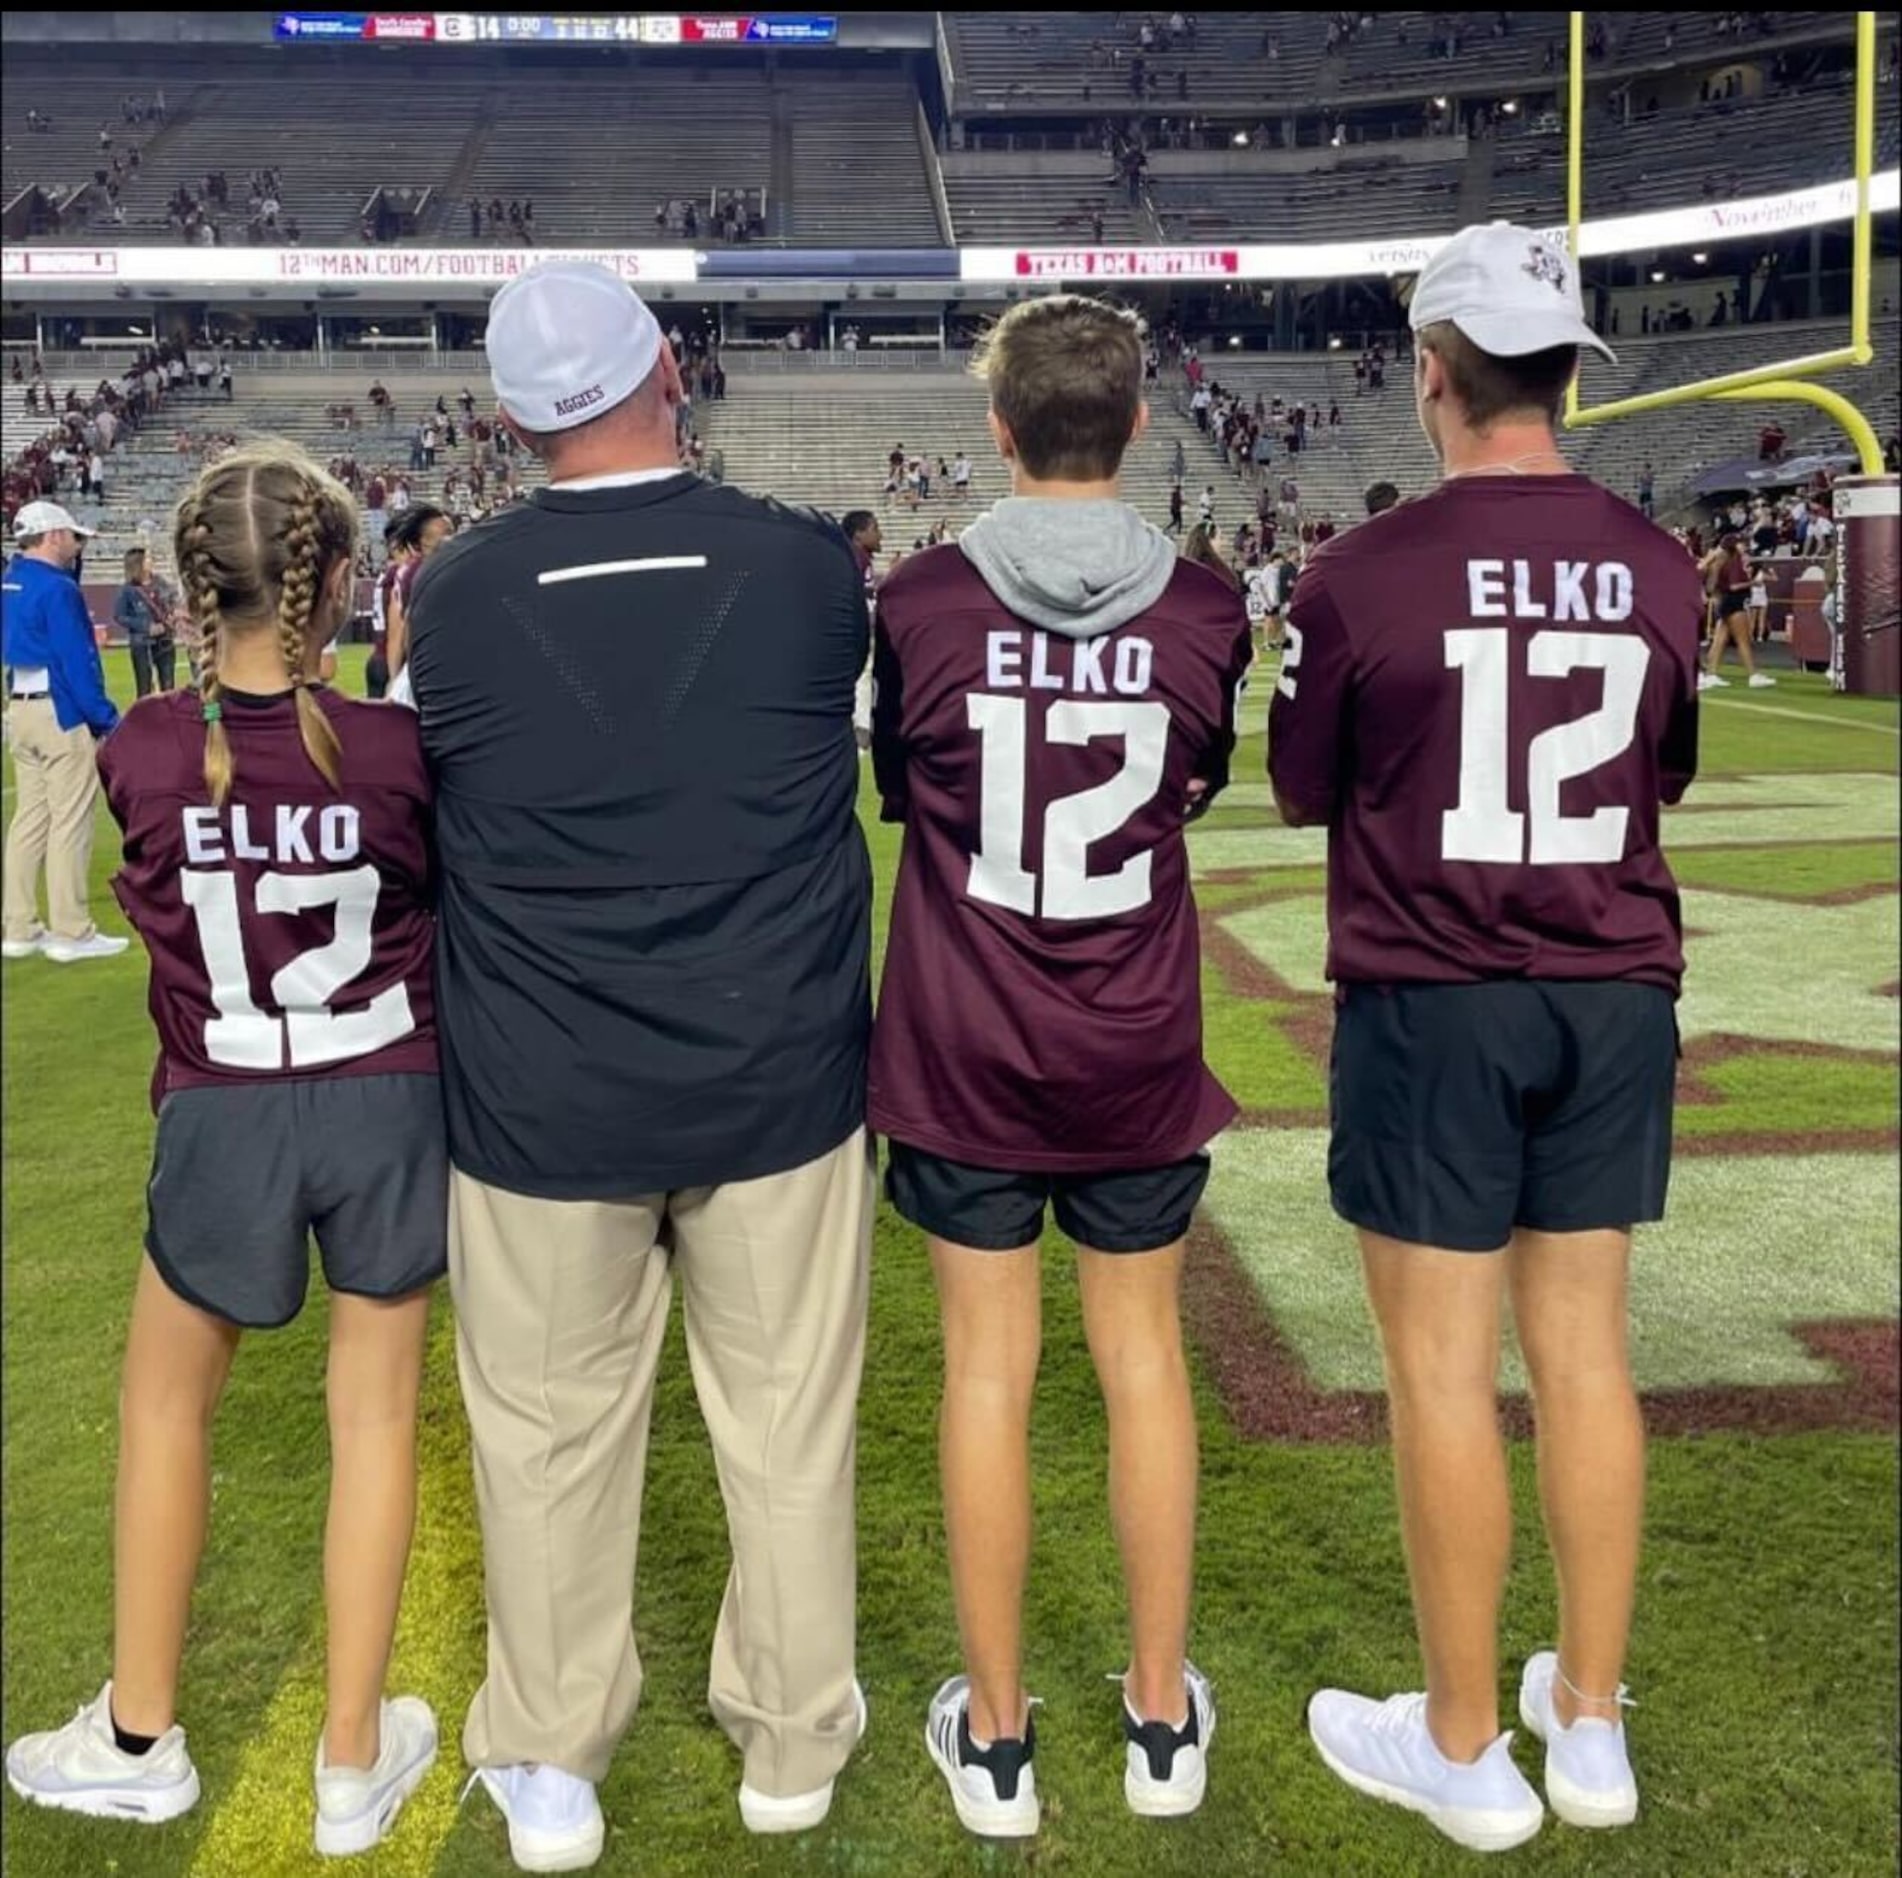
[1763, 383]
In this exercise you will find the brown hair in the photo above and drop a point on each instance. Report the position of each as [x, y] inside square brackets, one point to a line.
[1489, 387]
[255, 536]
[1200, 547]
[1065, 375]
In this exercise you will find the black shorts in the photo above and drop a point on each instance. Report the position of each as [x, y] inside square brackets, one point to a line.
[1462, 1111]
[242, 1178]
[1732, 600]
[1141, 1210]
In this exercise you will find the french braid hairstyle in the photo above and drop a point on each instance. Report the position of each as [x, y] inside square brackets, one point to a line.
[254, 538]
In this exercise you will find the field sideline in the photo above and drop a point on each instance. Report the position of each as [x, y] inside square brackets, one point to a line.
[1766, 1655]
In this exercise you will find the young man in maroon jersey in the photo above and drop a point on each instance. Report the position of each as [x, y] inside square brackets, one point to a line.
[1488, 694]
[278, 868]
[1055, 695]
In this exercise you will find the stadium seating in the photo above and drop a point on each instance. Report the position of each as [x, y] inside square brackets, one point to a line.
[821, 435]
[858, 167]
[1739, 147]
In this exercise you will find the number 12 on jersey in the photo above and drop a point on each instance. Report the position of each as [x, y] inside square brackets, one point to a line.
[1070, 823]
[1483, 826]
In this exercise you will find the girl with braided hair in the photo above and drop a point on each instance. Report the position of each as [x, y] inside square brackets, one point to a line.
[278, 868]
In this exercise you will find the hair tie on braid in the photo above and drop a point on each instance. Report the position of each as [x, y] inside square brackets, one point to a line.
[213, 711]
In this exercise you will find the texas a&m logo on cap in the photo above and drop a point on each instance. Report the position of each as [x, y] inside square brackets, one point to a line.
[1546, 266]
[579, 401]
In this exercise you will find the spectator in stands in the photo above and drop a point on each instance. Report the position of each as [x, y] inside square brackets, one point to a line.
[1770, 442]
[381, 404]
[1647, 485]
[1381, 497]
[1205, 507]
[1175, 507]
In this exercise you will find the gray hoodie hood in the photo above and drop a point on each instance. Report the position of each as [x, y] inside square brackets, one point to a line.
[1076, 568]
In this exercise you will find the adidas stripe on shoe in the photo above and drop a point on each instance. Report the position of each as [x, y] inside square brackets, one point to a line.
[994, 1788]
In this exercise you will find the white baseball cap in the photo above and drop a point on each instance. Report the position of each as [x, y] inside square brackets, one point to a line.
[45, 518]
[1508, 289]
[568, 341]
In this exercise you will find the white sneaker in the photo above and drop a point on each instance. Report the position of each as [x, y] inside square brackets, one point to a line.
[994, 1789]
[1385, 1749]
[1761, 681]
[1709, 681]
[1166, 1770]
[1588, 1775]
[798, 1812]
[80, 1769]
[554, 1817]
[23, 948]
[357, 1806]
[70, 951]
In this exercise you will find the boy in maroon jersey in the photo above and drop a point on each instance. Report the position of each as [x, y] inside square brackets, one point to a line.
[1054, 696]
[1488, 694]
[277, 866]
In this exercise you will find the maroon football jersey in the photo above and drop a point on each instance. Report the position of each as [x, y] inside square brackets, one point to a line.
[1488, 693]
[1041, 1006]
[290, 932]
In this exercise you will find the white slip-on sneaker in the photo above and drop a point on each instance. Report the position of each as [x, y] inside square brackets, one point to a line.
[1166, 1770]
[1709, 681]
[81, 1769]
[70, 951]
[1588, 1775]
[357, 1806]
[1761, 681]
[554, 1817]
[24, 948]
[798, 1812]
[1385, 1750]
[995, 1788]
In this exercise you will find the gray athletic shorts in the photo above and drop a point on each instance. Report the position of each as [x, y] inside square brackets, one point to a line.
[243, 1178]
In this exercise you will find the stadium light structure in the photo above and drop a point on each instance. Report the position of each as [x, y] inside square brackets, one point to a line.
[1763, 383]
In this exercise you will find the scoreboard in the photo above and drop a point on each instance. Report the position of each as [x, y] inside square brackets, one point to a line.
[519, 29]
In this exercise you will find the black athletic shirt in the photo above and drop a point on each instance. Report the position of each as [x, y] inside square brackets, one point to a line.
[653, 952]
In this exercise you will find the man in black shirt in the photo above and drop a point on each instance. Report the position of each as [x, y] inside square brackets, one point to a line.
[636, 700]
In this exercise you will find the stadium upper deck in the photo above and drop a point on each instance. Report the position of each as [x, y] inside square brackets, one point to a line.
[1249, 124]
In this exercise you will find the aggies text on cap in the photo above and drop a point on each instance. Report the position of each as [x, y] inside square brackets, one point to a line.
[568, 341]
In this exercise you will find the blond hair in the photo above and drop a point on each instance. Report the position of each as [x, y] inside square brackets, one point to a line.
[254, 537]
[1066, 377]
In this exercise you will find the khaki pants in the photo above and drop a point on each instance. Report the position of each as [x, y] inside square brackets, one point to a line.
[561, 1307]
[52, 822]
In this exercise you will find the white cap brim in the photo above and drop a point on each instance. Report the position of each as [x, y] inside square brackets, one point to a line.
[1513, 335]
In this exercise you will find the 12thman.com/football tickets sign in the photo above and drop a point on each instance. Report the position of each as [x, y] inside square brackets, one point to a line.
[323, 267]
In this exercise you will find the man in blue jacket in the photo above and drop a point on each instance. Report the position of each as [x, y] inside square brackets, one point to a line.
[57, 711]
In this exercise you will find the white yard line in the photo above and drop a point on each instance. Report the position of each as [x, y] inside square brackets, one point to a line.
[1802, 717]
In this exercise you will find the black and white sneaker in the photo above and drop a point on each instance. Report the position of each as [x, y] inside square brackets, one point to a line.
[994, 1788]
[1166, 1769]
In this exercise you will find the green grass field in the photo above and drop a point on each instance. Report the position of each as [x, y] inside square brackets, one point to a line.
[1765, 1656]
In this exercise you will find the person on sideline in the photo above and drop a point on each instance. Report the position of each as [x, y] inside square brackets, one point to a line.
[295, 1096]
[56, 714]
[1039, 1031]
[636, 698]
[136, 610]
[422, 530]
[1489, 691]
[1728, 576]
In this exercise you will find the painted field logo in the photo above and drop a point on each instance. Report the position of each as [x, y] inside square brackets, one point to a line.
[1768, 1298]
